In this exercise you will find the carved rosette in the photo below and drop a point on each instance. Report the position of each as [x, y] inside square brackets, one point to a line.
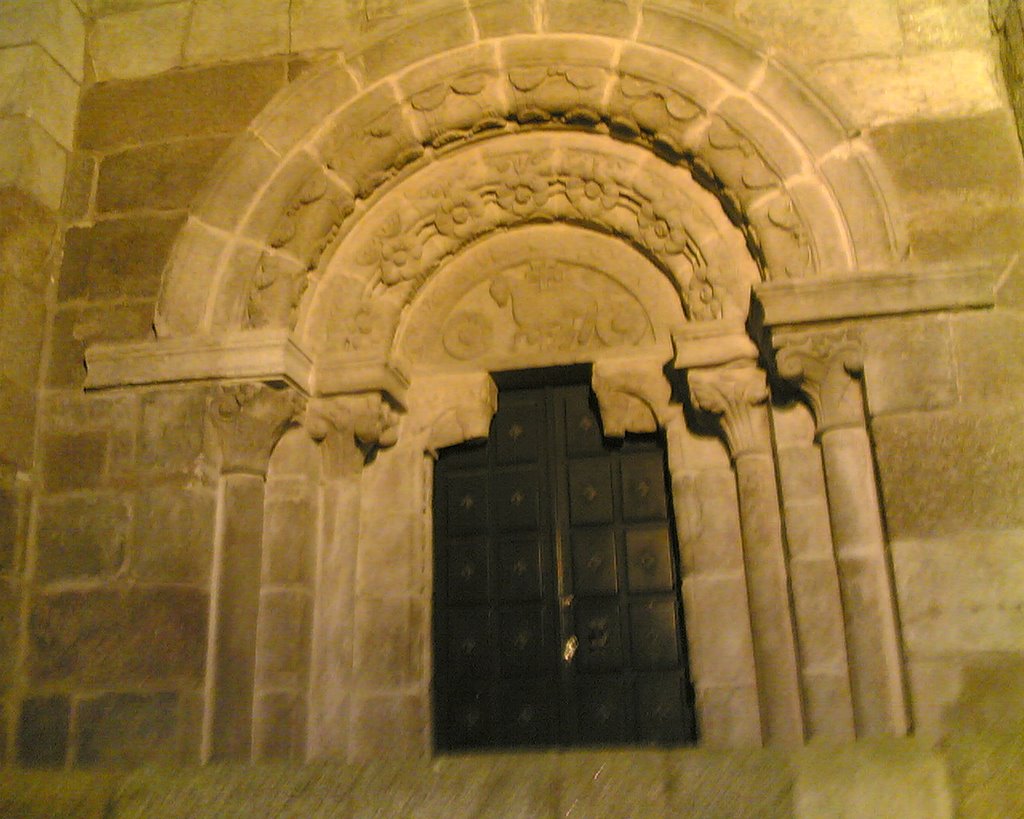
[249, 419]
[350, 427]
[376, 139]
[826, 366]
[736, 394]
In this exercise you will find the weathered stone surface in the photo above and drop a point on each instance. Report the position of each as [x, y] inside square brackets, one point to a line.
[75, 328]
[289, 535]
[614, 18]
[57, 25]
[9, 610]
[944, 472]
[814, 31]
[32, 160]
[279, 728]
[282, 640]
[78, 188]
[171, 429]
[216, 100]
[990, 357]
[32, 84]
[984, 232]
[497, 18]
[22, 324]
[936, 24]
[82, 536]
[961, 593]
[906, 780]
[453, 27]
[43, 731]
[236, 29]
[162, 177]
[389, 639]
[389, 726]
[908, 364]
[879, 90]
[11, 517]
[27, 234]
[138, 43]
[116, 258]
[117, 637]
[173, 535]
[17, 414]
[747, 784]
[729, 716]
[718, 630]
[74, 461]
[624, 783]
[127, 729]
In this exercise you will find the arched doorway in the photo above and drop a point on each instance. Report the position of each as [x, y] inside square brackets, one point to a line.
[526, 201]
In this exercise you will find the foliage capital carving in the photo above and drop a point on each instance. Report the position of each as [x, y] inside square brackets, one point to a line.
[826, 366]
[736, 394]
[350, 427]
[249, 419]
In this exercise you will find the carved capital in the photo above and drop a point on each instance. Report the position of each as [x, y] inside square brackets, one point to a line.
[350, 427]
[736, 393]
[249, 419]
[450, 409]
[633, 394]
[826, 366]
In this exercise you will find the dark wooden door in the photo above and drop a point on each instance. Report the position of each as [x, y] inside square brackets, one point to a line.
[556, 612]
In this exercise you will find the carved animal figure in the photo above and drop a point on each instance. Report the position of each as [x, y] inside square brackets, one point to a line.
[548, 312]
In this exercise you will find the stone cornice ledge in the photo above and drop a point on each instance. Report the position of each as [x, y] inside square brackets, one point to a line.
[883, 294]
[264, 355]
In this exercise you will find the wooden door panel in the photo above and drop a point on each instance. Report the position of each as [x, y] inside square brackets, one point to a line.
[557, 617]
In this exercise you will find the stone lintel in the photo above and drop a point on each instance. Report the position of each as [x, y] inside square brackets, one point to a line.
[711, 343]
[251, 355]
[779, 303]
[450, 409]
[633, 393]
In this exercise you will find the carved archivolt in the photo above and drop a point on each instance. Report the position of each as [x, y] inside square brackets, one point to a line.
[779, 163]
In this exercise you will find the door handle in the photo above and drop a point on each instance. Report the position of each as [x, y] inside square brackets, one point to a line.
[569, 651]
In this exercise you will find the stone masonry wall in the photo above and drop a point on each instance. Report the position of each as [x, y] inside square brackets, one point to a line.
[112, 633]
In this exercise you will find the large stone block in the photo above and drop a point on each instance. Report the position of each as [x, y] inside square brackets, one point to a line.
[236, 29]
[612, 18]
[879, 90]
[961, 593]
[32, 84]
[971, 153]
[57, 25]
[909, 364]
[812, 31]
[279, 726]
[22, 324]
[171, 429]
[609, 783]
[391, 554]
[28, 231]
[938, 24]
[163, 177]
[74, 461]
[981, 233]
[730, 785]
[78, 187]
[43, 731]
[127, 729]
[81, 536]
[944, 472]
[173, 535]
[139, 43]
[13, 507]
[74, 328]
[990, 357]
[17, 415]
[112, 638]
[116, 258]
[215, 100]
[32, 160]
[498, 18]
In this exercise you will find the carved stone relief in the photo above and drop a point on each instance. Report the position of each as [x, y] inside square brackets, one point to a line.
[430, 220]
[536, 296]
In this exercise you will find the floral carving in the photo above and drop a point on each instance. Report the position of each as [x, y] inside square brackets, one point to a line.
[458, 212]
[249, 419]
[522, 188]
[736, 394]
[826, 366]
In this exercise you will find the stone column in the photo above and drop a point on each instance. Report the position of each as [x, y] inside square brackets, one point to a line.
[348, 427]
[634, 395]
[248, 420]
[737, 394]
[826, 365]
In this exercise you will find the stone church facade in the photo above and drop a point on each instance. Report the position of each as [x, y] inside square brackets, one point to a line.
[293, 243]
